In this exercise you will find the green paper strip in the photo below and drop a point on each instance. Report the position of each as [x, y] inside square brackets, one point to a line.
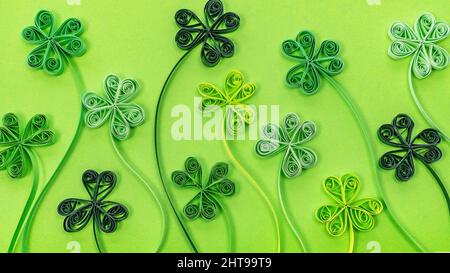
[347, 212]
[79, 83]
[421, 44]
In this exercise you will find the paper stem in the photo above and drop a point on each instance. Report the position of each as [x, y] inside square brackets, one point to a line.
[253, 183]
[230, 227]
[352, 235]
[286, 214]
[440, 183]
[366, 135]
[147, 185]
[97, 239]
[158, 161]
[421, 108]
[30, 200]
[79, 83]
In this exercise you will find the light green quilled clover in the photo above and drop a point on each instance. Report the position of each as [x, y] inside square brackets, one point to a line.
[54, 45]
[290, 138]
[16, 158]
[421, 43]
[116, 105]
[347, 212]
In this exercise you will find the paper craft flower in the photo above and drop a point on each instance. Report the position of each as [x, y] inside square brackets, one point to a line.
[399, 135]
[54, 45]
[347, 212]
[421, 43]
[105, 214]
[124, 114]
[205, 203]
[313, 63]
[232, 97]
[194, 32]
[290, 138]
[16, 158]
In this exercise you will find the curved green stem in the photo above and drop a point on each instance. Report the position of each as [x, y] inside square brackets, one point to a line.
[440, 183]
[147, 186]
[96, 238]
[230, 227]
[421, 108]
[366, 135]
[157, 152]
[286, 214]
[30, 200]
[253, 183]
[81, 88]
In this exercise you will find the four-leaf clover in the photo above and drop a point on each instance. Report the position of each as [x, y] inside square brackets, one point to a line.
[205, 203]
[16, 158]
[399, 135]
[54, 45]
[290, 138]
[347, 212]
[194, 32]
[232, 97]
[421, 42]
[313, 63]
[116, 105]
[105, 214]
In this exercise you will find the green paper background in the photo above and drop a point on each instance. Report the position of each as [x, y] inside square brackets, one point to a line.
[136, 39]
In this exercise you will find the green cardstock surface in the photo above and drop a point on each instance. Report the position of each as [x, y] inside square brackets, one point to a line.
[136, 39]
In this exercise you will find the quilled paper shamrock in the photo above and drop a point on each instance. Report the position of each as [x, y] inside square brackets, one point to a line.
[116, 105]
[54, 45]
[421, 42]
[105, 214]
[290, 138]
[16, 158]
[313, 63]
[399, 135]
[194, 32]
[232, 97]
[347, 212]
[423, 147]
[205, 203]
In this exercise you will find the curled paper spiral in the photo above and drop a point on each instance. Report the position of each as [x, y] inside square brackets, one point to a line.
[232, 98]
[347, 212]
[421, 43]
[16, 157]
[289, 137]
[399, 134]
[105, 214]
[54, 45]
[205, 203]
[313, 63]
[209, 33]
[116, 105]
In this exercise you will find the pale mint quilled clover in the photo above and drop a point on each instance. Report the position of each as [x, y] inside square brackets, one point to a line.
[116, 105]
[54, 45]
[421, 44]
[290, 138]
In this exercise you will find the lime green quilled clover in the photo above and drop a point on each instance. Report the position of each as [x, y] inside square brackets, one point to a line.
[421, 44]
[347, 212]
[54, 45]
[16, 158]
[116, 105]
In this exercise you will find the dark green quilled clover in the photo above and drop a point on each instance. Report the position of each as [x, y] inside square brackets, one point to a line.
[54, 45]
[206, 202]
